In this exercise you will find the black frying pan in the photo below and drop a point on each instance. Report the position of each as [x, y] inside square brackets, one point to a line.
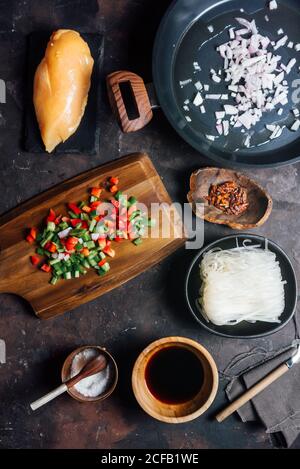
[182, 31]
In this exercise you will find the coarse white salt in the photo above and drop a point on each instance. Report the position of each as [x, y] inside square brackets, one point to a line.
[210, 28]
[95, 385]
[188, 118]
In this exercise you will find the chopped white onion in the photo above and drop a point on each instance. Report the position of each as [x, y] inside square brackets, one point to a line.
[64, 233]
[296, 126]
[198, 100]
[273, 5]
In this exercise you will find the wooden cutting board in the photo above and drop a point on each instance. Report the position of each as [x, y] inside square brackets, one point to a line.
[138, 177]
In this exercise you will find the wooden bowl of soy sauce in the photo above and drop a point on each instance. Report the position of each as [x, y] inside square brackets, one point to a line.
[175, 379]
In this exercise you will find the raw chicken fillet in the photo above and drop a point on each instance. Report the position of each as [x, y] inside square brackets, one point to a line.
[61, 85]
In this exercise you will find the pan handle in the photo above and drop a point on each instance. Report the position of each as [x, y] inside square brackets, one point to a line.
[140, 96]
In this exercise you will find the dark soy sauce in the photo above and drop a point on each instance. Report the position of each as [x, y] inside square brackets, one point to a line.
[174, 375]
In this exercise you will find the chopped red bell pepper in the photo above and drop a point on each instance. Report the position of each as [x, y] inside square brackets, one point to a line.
[96, 192]
[118, 239]
[51, 216]
[113, 188]
[46, 268]
[114, 181]
[85, 252]
[75, 221]
[30, 239]
[57, 220]
[109, 251]
[74, 209]
[101, 263]
[95, 205]
[102, 242]
[71, 243]
[33, 232]
[35, 260]
[72, 240]
[50, 247]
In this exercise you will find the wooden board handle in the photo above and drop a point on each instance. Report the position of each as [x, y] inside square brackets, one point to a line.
[252, 392]
[140, 97]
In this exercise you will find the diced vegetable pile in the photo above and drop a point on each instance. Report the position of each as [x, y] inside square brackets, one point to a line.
[67, 246]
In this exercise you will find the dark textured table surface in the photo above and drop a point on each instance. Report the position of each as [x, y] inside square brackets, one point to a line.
[148, 307]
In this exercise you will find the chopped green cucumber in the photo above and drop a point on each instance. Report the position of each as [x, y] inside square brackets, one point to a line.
[131, 201]
[51, 226]
[92, 224]
[105, 267]
[54, 280]
[90, 244]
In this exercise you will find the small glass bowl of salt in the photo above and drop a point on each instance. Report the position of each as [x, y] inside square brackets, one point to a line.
[96, 387]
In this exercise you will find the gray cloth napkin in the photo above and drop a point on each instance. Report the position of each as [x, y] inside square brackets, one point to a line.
[278, 406]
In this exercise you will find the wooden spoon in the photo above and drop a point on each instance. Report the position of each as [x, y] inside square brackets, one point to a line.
[92, 367]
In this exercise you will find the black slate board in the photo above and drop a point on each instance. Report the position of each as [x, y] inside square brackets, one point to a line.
[85, 139]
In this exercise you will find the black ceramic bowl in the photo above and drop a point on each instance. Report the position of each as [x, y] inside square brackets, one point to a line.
[244, 329]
